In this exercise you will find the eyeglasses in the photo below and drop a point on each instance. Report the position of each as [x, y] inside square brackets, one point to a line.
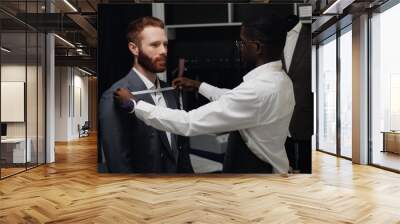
[241, 43]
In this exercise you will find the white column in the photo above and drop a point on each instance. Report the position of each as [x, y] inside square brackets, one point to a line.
[50, 94]
[360, 90]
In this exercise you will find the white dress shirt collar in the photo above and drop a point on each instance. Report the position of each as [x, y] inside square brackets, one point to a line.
[297, 28]
[157, 98]
[149, 84]
[271, 66]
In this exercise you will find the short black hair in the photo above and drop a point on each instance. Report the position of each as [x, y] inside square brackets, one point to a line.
[271, 30]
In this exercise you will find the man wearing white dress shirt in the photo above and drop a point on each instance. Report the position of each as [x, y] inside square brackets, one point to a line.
[297, 58]
[257, 112]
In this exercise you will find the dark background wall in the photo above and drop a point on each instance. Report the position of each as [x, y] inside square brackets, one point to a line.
[114, 59]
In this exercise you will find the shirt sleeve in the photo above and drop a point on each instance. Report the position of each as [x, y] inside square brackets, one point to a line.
[238, 109]
[211, 92]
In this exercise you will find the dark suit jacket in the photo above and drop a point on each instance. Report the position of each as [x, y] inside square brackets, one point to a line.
[301, 124]
[131, 146]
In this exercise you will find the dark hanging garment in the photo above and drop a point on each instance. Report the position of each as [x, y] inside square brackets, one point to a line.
[240, 159]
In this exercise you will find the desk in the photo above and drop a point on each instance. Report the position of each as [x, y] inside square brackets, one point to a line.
[13, 150]
[391, 141]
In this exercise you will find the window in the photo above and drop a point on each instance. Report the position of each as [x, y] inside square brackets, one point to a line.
[346, 93]
[327, 96]
[385, 89]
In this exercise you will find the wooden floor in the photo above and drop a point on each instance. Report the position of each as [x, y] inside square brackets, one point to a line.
[5, 172]
[71, 191]
[387, 159]
[9, 171]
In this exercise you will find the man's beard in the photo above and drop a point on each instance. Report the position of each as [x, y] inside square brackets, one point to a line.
[152, 65]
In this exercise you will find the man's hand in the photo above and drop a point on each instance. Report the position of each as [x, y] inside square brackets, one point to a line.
[123, 98]
[186, 84]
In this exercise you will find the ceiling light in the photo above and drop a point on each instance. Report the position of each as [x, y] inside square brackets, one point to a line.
[70, 5]
[5, 50]
[65, 41]
[338, 6]
[84, 71]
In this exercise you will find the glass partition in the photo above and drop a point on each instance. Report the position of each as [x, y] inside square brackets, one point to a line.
[14, 154]
[23, 88]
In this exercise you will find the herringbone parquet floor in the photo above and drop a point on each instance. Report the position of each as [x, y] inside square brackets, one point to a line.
[71, 191]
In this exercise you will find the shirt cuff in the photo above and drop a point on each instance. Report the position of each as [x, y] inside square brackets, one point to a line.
[143, 109]
[204, 89]
[134, 106]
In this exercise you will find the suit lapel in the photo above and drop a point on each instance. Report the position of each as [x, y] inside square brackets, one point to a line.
[171, 103]
[136, 84]
[169, 97]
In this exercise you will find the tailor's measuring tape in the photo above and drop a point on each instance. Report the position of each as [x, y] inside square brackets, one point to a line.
[181, 70]
[153, 91]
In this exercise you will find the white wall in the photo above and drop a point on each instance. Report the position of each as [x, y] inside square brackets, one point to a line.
[17, 72]
[79, 117]
[70, 83]
[14, 72]
[33, 127]
[61, 103]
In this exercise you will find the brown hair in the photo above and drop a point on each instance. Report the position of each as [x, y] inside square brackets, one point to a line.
[138, 25]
